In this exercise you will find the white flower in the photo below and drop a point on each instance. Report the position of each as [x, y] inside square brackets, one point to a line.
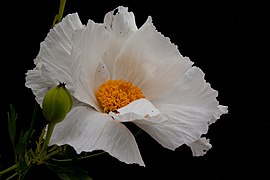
[119, 73]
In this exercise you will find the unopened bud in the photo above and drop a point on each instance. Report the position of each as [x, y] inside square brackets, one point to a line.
[57, 102]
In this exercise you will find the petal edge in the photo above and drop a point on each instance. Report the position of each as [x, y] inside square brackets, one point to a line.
[87, 130]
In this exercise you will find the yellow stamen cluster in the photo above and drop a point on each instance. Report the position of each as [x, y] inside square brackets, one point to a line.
[115, 94]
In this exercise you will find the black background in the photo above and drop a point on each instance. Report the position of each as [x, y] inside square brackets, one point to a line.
[227, 40]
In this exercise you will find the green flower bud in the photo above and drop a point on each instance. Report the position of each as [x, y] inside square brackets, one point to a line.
[57, 102]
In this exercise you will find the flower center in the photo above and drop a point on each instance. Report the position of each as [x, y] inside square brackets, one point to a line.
[115, 94]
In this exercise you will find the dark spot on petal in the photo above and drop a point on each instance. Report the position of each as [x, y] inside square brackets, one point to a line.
[115, 12]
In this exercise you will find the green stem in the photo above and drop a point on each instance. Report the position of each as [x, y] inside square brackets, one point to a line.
[47, 138]
[12, 176]
[50, 155]
[58, 17]
[92, 155]
[61, 9]
[80, 158]
[8, 169]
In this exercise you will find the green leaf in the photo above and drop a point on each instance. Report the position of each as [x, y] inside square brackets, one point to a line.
[28, 135]
[34, 117]
[20, 148]
[23, 141]
[12, 117]
[22, 168]
[40, 141]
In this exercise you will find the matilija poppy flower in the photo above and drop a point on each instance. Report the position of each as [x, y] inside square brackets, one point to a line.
[118, 73]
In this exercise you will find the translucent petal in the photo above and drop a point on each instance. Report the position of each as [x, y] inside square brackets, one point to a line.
[87, 130]
[137, 110]
[166, 131]
[101, 75]
[176, 126]
[53, 63]
[191, 90]
[189, 107]
[89, 46]
[150, 61]
[121, 24]
[39, 84]
[221, 110]
[200, 147]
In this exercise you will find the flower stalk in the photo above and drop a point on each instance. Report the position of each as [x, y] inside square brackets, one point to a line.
[41, 156]
[8, 169]
[58, 17]
[51, 126]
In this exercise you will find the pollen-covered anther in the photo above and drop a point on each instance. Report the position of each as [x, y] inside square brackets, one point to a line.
[115, 94]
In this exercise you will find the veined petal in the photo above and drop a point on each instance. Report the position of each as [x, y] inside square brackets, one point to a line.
[136, 110]
[220, 110]
[150, 61]
[120, 24]
[53, 63]
[39, 84]
[191, 105]
[163, 130]
[90, 44]
[102, 75]
[176, 125]
[200, 147]
[58, 42]
[167, 131]
[190, 90]
[143, 113]
[86, 130]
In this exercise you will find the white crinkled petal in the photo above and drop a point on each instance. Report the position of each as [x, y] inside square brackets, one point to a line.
[90, 44]
[145, 115]
[176, 125]
[101, 75]
[221, 110]
[190, 105]
[53, 63]
[150, 61]
[200, 147]
[193, 91]
[190, 90]
[136, 110]
[38, 83]
[120, 24]
[87, 130]
[163, 130]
